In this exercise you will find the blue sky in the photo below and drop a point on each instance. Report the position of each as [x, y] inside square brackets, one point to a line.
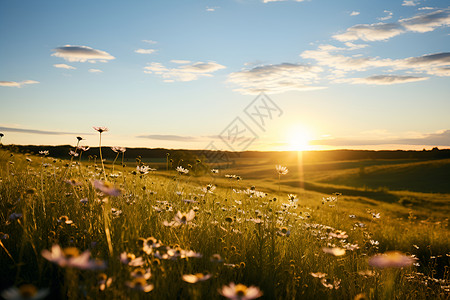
[345, 74]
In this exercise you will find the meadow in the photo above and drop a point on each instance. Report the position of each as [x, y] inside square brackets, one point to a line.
[93, 229]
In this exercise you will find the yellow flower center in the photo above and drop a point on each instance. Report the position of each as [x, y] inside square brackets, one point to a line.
[241, 290]
[71, 252]
[27, 290]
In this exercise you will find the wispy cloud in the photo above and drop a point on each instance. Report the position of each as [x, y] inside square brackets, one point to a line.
[180, 61]
[150, 42]
[426, 8]
[95, 71]
[354, 13]
[370, 32]
[388, 15]
[441, 138]
[168, 137]
[145, 51]
[330, 56]
[37, 131]
[81, 54]
[276, 78]
[387, 79]
[410, 2]
[422, 22]
[428, 21]
[64, 66]
[185, 72]
[211, 9]
[17, 84]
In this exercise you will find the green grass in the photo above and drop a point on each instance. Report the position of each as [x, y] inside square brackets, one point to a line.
[252, 253]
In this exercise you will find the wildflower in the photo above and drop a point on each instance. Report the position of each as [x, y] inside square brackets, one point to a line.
[143, 170]
[209, 189]
[182, 170]
[79, 138]
[240, 292]
[28, 159]
[71, 257]
[184, 218]
[131, 260]
[284, 232]
[25, 291]
[118, 149]
[318, 275]
[149, 244]
[141, 273]
[140, 284]
[216, 258]
[73, 153]
[106, 188]
[83, 148]
[292, 197]
[100, 129]
[103, 281]
[366, 273]
[336, 251]
[65, 219]
[391, 259]
[335, 285]
[376, 215]
[281, 170]
[45, 152]
[73, 182]
[215, 171]
[194, 278]
[15, 216]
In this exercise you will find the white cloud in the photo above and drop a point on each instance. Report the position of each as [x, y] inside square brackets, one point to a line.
[64, 66]
[95, 71]
[410, 2]
[426, 8]
[81, 54]
[212, 8]
[276, 78]
[382, 31]
[145, 51]
[150, 42]
[387, 79]
[354, 13]
[370, 32]
[388, 15]
[180, 61]
[427, 22]
[324, 56]
[328, 56]
[186, 72]
[17, 84]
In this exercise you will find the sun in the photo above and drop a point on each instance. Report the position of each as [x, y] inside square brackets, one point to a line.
[298, 139]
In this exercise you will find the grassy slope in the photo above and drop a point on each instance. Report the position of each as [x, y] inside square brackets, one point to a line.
[280, 266]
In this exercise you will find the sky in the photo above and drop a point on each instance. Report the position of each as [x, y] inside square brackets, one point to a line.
[227, 74]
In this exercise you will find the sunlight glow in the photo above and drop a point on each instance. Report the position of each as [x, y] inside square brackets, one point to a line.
[298, 139]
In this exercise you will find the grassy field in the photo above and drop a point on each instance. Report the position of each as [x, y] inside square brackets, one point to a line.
[225, 230]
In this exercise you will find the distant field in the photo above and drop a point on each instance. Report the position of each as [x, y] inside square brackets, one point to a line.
[411, 183]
